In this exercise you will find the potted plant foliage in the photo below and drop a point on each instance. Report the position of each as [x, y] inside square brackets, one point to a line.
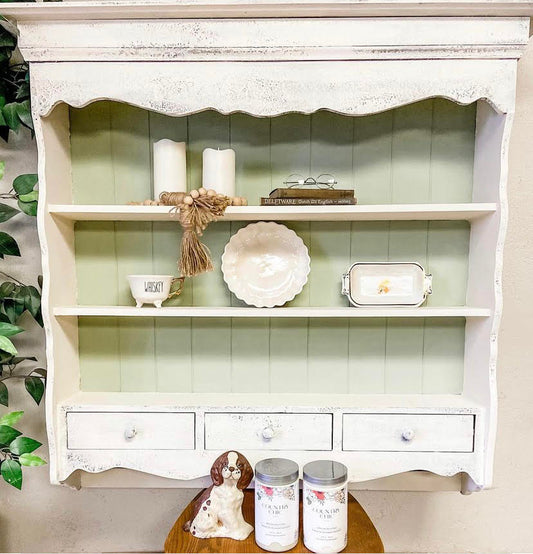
[16, 297]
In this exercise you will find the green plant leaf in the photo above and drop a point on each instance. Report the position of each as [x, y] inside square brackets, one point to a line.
[7, 212]
[29, 208]
[6, 289]
[7, 346]
[31, 460]
[8, 245]
[24, 445]
[2, 164]
[19, 359]
[23, 184]
[40, 281]
[4, 398]
[11, 418]
[32, 300]
[23, 90]
[40, 371]
[5, 358]
[24, 113]
[35, 387]
[8, 330]
[30, 197]
[13, 309]
[8, 434]
[12, 473]
[7, 39]
[11, 116]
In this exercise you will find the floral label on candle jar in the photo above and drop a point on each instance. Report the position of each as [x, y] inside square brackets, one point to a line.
[276, 516]
[325, 518]
[321, 497]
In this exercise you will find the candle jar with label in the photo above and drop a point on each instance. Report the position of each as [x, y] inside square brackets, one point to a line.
[276, 504]
[325, 506]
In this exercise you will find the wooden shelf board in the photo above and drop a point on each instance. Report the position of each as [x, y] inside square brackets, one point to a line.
[368, 212]
[84, 10]
[313, 312]
[169, 401]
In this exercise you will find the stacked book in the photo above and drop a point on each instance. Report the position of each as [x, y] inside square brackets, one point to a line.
[309, 197]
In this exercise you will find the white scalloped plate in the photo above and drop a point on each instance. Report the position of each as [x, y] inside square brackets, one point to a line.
[265, 264]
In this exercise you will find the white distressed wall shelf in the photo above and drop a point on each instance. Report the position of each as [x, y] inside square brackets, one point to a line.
[410, 101]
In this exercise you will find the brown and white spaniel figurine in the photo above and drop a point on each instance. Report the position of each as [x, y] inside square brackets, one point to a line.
[218, 510]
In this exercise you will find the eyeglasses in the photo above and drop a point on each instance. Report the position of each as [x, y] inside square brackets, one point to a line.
[323, 181]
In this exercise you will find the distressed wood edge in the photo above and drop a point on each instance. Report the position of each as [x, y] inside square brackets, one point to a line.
[50, 407]
[492, 416]
[108, 54]
[111, 460]
[370, 465]
[126, 478]
[44, 109]
[84, 10]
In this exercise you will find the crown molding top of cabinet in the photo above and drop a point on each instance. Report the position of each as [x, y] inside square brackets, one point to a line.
[184, 9]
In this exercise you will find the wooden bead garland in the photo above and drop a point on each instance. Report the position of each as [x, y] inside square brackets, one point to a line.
[195, 209]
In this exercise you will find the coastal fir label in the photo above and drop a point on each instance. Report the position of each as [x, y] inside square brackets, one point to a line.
[276, 515]
[325, 518]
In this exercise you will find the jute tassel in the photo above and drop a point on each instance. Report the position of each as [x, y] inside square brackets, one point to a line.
[195, 211]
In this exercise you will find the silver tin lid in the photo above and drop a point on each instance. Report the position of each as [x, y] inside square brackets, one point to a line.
[325, 472]
[277, 471]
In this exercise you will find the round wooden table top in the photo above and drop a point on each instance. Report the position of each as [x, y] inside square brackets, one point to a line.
[362, 535]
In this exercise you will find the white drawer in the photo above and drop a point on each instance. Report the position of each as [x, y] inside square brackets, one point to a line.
[268, 431]
[408, 432]
[130, 431]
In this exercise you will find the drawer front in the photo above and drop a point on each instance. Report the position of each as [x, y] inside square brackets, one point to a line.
[268, 431]
[410, 433]
[130, 431]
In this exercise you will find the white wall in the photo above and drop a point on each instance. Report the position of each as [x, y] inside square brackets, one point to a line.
[50, 519]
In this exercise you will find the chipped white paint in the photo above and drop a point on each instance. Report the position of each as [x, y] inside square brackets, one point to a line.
[216, 425]
[264, 431]
[158, 57]
[273, 88]
[408, 433]
[278, 39]
[130, 431]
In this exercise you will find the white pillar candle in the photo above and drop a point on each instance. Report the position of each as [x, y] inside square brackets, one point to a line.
[170, 167]
[219, 170]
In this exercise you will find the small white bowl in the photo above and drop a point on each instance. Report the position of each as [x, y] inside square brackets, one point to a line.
[151, 289]
[265, 264]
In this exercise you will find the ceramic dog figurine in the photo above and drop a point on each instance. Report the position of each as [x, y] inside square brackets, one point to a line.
[218, 511]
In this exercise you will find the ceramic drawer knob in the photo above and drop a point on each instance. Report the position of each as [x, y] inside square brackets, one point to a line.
[408, 435]
[130, 433]
[268, 433]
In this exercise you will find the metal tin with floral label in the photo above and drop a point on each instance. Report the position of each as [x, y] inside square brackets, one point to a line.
[276, 504]
[386, 284]
[325, 506]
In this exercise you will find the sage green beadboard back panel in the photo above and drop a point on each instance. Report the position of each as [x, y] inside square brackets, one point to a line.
[419, 153]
